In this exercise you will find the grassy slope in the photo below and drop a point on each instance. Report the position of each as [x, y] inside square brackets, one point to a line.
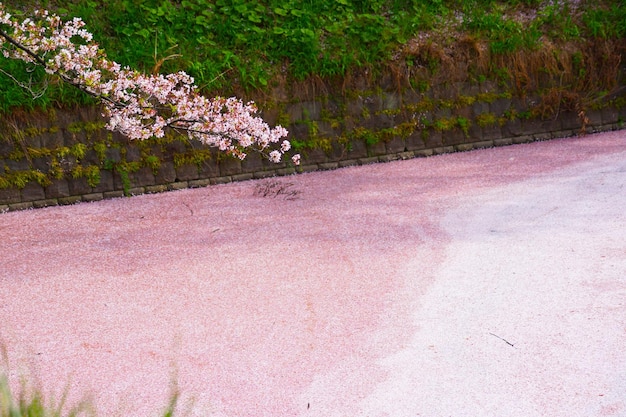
[244, 45]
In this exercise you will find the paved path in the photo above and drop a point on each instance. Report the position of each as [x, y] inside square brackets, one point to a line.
[488, 283]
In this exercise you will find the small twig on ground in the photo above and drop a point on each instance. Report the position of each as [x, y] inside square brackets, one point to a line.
[504, 340]
[275, 189]
[187, 205]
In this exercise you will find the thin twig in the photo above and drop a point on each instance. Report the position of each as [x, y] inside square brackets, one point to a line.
[504, 340]
[28, 87]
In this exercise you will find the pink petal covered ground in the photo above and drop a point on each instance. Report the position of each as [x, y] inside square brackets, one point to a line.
[484, 283]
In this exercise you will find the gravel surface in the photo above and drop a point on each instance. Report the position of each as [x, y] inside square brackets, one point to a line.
[486, 283]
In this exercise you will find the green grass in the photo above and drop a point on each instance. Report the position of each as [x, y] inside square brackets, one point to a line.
[31, 402]
[234, 46]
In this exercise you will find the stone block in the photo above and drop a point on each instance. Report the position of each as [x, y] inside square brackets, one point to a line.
[33, 192]
[357, 149]
[286, 171]
[6, 146]
[326, 130]
[253, 162]
[406, 155]
[423, 153]
[113, 194]
[453, 137]
[492, 132]
[209, 168]
[355, 107]
[348, 163]
[91, 158]
[142, 177]
[21, 206]
[569, 120]
[137, 191]
[464, 147]
[522, 139]
[270, 115]
[480, 107]
[328, 166]
[113, 155]
[415, 141]
[512, 128]
[391, 101]
[433, 139]
[153, 189]
[443, 150]
[69, 200]
[621, 116]
[52, 140]
[166, 173]
[483, 144]
[307, 168]
[610, 115]
[177, 145]
[45, 203]
[92, 197]
[21, 165]
[311, 110]
[367, 161]
[41, 164]
[338, 151]
[9, 195]
[376, 149]
[533, 126]
[474, 133]
[389, 158]
[314, 156]
[221, 180]
[33, 140]
[199, 183]
[378, 121]
[542, 136]
[500, 106]
[78, 186]
[58, 188]
[503, 142]
[373, 104]
[133, 153]
[595, 117]
[261, 174]
[107, 182]
[395, 145]
[243, 177]
[187, 172]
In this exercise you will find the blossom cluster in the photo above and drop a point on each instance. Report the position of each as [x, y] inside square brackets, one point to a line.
[139, 106]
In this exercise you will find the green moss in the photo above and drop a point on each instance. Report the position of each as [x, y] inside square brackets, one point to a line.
[78, 150]
[464, 124]
[195, 157]
[490, 97]
[100, 148]
[423, 106]
[92, 174]
[153, 162]
[486, 119]
[463, 101]
[444, 124]
[19, 179]
[37, 152]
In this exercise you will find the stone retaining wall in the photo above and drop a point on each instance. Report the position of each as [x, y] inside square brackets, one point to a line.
[66, 156]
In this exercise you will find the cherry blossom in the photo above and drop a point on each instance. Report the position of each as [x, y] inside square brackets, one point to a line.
[138, 105]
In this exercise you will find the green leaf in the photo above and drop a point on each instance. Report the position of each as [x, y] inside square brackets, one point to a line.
[280, 12]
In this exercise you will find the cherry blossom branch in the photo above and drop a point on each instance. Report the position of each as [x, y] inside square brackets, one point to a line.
[140, 106]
